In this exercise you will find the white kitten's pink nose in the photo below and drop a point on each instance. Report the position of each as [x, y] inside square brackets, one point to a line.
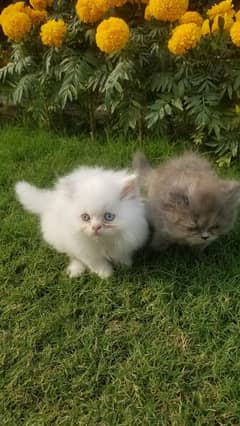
[96, 229]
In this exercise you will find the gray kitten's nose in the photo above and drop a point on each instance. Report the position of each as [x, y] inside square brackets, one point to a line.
[205, 235]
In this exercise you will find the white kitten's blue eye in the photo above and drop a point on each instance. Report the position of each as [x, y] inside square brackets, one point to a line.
[109, 217]
[85, 217]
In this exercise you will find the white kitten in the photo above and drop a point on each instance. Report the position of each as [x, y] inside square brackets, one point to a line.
[95, 216]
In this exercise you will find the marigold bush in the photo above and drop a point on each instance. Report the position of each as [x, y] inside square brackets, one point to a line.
[168, 67]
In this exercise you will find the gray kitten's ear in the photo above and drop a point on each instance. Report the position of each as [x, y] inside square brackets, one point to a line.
[129, 187]
[179, 198]
[232, 191]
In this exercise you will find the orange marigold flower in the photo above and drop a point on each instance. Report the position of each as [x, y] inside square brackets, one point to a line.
[16, 7]
[147, 14]
[53, 32]
[117, 3]
[91, 11]
[36, 16]
[191, 17]
[235, 33]
[168, 10]
[237, 15]
[206, 27]
[138, 1]
[228, 22]
[40, 4]
[184, 37]
[112, 35]
[220, 9]
[16, 25]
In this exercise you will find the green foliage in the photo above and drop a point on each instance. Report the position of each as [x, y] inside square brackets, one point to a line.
[142, 90]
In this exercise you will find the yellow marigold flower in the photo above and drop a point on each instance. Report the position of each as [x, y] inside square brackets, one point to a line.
[40, 4]
[91, 11]
[184, 37]
[112, 35]
[147, 14]
[191, 17]
[138, 1]
[237, 16]
[52, 33]
[36, 16]
[228, 21]
[235, 33]
[16, 25]
[117, 3]
[168, 10]
[206, 27]
[16, 7]
[220, 9]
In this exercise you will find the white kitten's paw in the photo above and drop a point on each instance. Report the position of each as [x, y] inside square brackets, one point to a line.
[126, 261]
[104, 271]
[75, 268]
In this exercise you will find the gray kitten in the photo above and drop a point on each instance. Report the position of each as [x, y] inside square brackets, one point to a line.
[187, 203]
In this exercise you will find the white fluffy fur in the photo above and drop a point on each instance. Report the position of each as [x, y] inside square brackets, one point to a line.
[93, 191]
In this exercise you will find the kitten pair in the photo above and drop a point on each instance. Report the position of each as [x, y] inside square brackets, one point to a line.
[97, 217]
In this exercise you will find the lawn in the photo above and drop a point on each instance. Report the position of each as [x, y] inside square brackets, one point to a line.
[158, 344]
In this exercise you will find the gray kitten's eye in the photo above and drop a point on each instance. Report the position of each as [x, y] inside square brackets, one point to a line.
[85, 217]
[214, 228]
[192, 228]
[109, 217]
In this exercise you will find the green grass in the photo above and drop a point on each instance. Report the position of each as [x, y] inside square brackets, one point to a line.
[156, 345]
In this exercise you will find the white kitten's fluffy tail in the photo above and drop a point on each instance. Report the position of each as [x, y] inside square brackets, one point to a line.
[141, 164]
[33, 199]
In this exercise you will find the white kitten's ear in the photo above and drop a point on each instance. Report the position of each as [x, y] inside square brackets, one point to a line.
[129, 187]
[232, 191]
[66, 186]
